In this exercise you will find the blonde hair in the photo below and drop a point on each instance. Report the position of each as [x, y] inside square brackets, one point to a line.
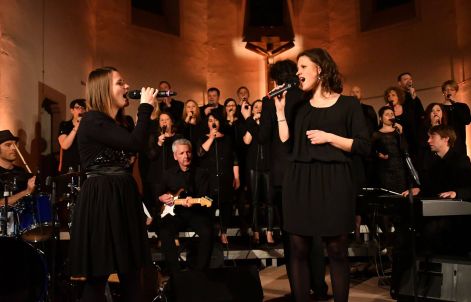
[197, 111]
[98, 92]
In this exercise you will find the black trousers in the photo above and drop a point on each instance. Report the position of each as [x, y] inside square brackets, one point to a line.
[199, 221]
[260, 190]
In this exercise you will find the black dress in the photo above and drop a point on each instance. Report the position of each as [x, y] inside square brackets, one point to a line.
[390, 173]
[459, 116]
[318, 189]
[108, 228]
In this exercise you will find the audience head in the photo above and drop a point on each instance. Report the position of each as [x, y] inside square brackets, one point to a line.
[316, 67]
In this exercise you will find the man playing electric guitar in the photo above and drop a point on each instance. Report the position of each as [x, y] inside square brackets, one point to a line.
[194, 184]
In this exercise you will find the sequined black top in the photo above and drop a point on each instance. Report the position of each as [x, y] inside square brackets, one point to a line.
[104, 143]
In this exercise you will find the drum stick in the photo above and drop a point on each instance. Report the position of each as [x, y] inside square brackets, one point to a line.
[22, 159]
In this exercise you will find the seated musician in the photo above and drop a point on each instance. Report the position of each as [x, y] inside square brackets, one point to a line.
[193, 183]
[446, 174]
[10, 172]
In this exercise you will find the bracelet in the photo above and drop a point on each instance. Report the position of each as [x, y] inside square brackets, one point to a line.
[284, 120]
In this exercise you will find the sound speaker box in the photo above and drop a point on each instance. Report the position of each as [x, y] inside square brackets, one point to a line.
[217, 285]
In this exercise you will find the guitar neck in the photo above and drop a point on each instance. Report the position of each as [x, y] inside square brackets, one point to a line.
[179, 202]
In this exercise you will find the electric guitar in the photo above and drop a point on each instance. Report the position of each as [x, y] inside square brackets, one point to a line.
[169, 209]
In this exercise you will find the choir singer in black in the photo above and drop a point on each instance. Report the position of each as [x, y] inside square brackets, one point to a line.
[318, 190]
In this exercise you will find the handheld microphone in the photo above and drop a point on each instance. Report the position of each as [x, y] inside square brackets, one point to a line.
[288, 85]
[393, 120]
[448, 97]
[213, 126]
[391, 104]
[164, 129]
[136, 94]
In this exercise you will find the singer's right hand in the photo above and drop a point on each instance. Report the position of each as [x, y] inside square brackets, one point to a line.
[412, 92]
[208, 109]
[148, 95]
[161, 140]
[280, 102]
[245, 109]
[213, 133]
[398, 127]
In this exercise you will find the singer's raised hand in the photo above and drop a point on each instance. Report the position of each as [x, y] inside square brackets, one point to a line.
[148, 95]
[245, 109]
[412, 92]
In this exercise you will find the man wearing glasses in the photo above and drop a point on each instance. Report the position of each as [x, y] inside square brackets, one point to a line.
[69, 156]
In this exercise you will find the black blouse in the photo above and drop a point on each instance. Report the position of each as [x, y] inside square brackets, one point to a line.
[344, 118]
[99, 134]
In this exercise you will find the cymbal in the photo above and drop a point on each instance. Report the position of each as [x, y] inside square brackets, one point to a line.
[18, 175]
[70, 174]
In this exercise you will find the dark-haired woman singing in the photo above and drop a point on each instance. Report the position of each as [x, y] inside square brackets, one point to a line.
[318, 190]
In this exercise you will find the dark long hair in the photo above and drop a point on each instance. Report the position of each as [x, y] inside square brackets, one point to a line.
[428, 110]
[331, 79]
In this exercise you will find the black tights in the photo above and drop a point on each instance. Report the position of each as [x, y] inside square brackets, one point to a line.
[337, 250]
[130, 285]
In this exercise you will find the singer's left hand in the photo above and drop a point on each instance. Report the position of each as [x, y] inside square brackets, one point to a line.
[148, 95]
[449, 194]
[318, 137]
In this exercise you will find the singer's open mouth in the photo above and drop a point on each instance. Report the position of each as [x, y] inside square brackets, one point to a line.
[302, 79]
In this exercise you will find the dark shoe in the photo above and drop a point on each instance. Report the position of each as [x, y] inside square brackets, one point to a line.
[321, 297]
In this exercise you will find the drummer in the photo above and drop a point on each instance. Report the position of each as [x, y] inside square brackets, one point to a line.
[10, 174]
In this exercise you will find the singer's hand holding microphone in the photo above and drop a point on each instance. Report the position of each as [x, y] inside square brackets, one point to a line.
[146, 95]
[245, 109]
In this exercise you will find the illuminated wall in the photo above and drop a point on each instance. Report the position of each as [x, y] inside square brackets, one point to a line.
[57, 43]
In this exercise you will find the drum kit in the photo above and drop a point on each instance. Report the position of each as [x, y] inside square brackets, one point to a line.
[25, 229]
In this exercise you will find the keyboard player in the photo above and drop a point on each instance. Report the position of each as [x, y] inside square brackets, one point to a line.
[445, 174]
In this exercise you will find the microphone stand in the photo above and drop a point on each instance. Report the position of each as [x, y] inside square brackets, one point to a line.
[411, 176]
[4, 219]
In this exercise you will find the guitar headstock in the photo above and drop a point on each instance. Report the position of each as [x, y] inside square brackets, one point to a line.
[206, 201]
